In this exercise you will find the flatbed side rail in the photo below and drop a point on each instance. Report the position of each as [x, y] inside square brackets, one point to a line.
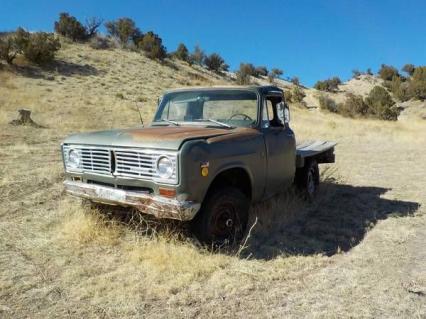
[322, 151]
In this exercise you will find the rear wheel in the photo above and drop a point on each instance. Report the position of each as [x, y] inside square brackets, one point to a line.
[307, 179]
[222, 219]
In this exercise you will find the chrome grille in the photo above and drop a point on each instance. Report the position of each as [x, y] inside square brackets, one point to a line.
[93, 159]
[135, 163]
[119, 161]
[139, 163]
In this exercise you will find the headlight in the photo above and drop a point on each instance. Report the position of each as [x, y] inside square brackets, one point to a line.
[165, 167]
[73, 159]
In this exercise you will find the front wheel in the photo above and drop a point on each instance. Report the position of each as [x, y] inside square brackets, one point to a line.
[307, 179]
[222, 219]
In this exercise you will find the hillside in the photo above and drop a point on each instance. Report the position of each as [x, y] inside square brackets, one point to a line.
[357, 251]
[362, 85]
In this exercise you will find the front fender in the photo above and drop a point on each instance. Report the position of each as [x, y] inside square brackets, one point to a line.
[221, 155]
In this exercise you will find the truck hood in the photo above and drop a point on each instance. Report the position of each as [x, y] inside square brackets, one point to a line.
[160, 137]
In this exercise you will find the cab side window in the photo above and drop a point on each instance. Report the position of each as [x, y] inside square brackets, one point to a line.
[270, 115]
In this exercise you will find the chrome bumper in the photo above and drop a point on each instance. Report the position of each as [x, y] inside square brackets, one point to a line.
[158, 206]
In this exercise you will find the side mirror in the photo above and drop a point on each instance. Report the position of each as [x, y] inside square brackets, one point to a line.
[283, 112]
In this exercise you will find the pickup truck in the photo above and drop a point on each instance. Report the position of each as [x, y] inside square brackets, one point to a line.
[208, 154]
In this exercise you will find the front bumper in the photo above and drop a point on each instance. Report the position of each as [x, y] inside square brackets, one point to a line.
[158, 206]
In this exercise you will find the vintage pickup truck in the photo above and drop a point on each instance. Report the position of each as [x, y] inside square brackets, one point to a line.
[208, 154]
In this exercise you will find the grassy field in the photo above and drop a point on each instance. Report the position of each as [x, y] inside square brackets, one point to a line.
[358, 251]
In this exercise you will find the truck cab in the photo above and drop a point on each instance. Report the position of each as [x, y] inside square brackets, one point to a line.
[208, 154]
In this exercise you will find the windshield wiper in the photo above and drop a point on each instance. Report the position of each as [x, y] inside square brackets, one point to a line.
[218, 123]
[171, 122]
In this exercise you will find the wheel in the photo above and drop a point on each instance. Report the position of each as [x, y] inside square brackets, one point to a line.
[307, 179]
[222, 219]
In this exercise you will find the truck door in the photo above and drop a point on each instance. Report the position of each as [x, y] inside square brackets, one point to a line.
[280, 147]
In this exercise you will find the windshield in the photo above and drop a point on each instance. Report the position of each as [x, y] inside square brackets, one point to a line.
[223, 108]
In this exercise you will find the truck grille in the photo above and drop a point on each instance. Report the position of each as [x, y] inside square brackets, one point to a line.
[136, 163]
[94, 160]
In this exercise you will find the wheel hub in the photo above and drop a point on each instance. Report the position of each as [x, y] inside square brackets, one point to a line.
[229, 223]
[224, 221]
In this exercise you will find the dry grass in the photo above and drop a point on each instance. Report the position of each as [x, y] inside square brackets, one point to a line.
[357, 251]
[83, 227]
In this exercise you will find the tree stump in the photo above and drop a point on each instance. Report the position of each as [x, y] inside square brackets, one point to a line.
[25, 119]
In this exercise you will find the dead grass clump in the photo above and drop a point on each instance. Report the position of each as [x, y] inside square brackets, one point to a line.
[171, 265]
[83, 226]
[6, 81]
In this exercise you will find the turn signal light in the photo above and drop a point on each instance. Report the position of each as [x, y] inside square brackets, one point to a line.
[167, 192]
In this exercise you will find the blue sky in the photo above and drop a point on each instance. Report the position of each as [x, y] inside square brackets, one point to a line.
[309, 39]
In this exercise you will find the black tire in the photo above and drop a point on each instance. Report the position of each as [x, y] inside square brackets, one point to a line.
[222, 220]
[307, 179]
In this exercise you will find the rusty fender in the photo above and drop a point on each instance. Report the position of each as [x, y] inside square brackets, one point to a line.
[160, 207]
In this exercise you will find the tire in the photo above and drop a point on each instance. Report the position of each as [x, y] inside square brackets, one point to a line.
[307, 180]
[222, 220]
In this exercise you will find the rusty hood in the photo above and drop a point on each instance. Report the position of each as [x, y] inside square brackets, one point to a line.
[161, 137]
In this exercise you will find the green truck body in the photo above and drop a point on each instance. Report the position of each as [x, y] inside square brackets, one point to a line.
[169, 169]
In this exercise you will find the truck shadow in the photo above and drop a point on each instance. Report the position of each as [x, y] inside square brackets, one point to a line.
[337, 221]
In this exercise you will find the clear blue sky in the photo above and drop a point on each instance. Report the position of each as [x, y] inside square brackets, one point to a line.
[310, 39]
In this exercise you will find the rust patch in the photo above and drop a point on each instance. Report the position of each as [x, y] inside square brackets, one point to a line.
[240, 134]
[148, 204]
[173, 133]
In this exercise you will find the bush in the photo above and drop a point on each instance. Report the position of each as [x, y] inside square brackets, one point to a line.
[21, 38]
[274, 73]
[356, 74]
[153, 47]
[387, 72]
[68, 26]
[417, 84]
[399, 89]
[327, 104]
[381, 105]
[38, 47]
[197, 56]
[182, 52]
[8, 49]
[298, 94]
[92, 26]
[354, 106]
[295, 80]
[124, 29]
[41, 47]
[261, 71]
[99, 43]
[245, 72]
[330, 85]
[369, 72]
[288, 96]
[215, 62]
[409, 69]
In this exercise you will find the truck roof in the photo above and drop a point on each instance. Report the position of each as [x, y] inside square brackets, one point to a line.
[262, 89]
